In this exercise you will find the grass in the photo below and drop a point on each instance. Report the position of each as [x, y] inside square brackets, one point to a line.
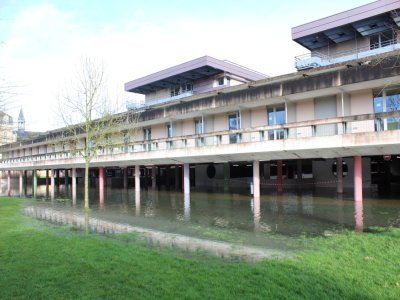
[42, 261]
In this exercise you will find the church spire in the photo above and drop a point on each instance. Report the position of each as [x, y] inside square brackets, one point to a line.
[21, 121]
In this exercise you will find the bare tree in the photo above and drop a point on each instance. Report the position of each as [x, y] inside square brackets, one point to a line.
[85, 110]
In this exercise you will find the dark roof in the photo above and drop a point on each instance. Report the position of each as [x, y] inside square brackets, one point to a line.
[199, 68]
[361, 21]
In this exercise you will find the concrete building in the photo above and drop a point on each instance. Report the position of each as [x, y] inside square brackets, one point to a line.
[209, 123]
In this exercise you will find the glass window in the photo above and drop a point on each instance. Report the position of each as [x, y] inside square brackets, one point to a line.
[234, 124]
[386, 101]
[169, 130]
[198, 126]
[147, 134]
[276, 116]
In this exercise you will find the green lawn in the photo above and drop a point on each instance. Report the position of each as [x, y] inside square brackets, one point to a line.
[42, 261]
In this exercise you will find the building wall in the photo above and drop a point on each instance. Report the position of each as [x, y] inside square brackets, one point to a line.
[305, 110]
[361, 102]
[344, 47]
[220, 122]
[258, 117]
[161, 94]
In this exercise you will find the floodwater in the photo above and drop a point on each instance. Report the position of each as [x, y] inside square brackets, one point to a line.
[273, 221]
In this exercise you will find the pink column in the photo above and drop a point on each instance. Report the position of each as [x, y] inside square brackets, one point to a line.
[52, 184]
[21, 186]
[186, 179]
[339, 174]
[358, 196]
[279, 177]
[101, 186]
[8, 182]
[256, 179]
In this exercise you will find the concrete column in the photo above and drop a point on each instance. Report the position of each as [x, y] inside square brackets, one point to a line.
[186, 179]
[52, 184]
[47, 184]
[101, 186]
[279, 176]
[73, 175]
[21, 183]
[137, 179]
[227, 177]
[256, 179]
[47, 178]
[125, 179]
[9, 183]
[34, 173]
[153, 177]
[358, 193]
[101, 177]
[339, 175]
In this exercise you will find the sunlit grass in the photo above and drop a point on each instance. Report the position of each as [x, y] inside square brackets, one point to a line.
[42, 261]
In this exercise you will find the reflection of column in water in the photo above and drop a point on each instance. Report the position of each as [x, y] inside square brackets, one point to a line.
[340, 208]
[137, 203]
[187, 207]
[359, 215]
[20, 183]
[52, 184]
[101, 196]
[256, 213]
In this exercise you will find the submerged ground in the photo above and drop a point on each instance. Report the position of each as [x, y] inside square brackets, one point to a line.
[40, 260]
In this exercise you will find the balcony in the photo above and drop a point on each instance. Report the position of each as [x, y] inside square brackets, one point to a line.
[316, 59]
[150, 103]
[370, 134]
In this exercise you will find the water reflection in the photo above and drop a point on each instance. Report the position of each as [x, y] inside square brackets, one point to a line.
[231, 215]
[359, 215]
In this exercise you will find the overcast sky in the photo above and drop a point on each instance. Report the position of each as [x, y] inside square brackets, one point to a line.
[42, 41]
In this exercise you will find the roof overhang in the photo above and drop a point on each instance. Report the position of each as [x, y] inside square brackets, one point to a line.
[196, 69]
[364, 20]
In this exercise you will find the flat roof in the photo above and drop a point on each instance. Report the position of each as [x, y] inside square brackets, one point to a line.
[198, 68]
[363, 20]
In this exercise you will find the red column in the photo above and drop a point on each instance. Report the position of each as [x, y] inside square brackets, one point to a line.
[279, 177]
[101, 185]
[8, 183]
[358, 196]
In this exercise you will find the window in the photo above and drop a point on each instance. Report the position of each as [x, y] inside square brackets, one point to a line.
[382, 39]
[147, 134]
[199, 129]
[181, 89]
[169, 130]
[234, 124]
[386, 101]
[276, 116]
[221, 81]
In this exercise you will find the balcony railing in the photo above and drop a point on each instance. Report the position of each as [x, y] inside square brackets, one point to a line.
[300, 130]
[316, 59]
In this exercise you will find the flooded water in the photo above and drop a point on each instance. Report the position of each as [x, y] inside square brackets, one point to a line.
[273, 222]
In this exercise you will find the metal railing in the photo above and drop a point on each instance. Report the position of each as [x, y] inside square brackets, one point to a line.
[299, 130]
[317, 59]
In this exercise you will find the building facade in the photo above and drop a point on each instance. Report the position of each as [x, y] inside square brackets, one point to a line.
[209, 123]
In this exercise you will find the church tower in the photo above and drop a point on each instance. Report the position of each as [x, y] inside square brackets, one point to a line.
[21, 122]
